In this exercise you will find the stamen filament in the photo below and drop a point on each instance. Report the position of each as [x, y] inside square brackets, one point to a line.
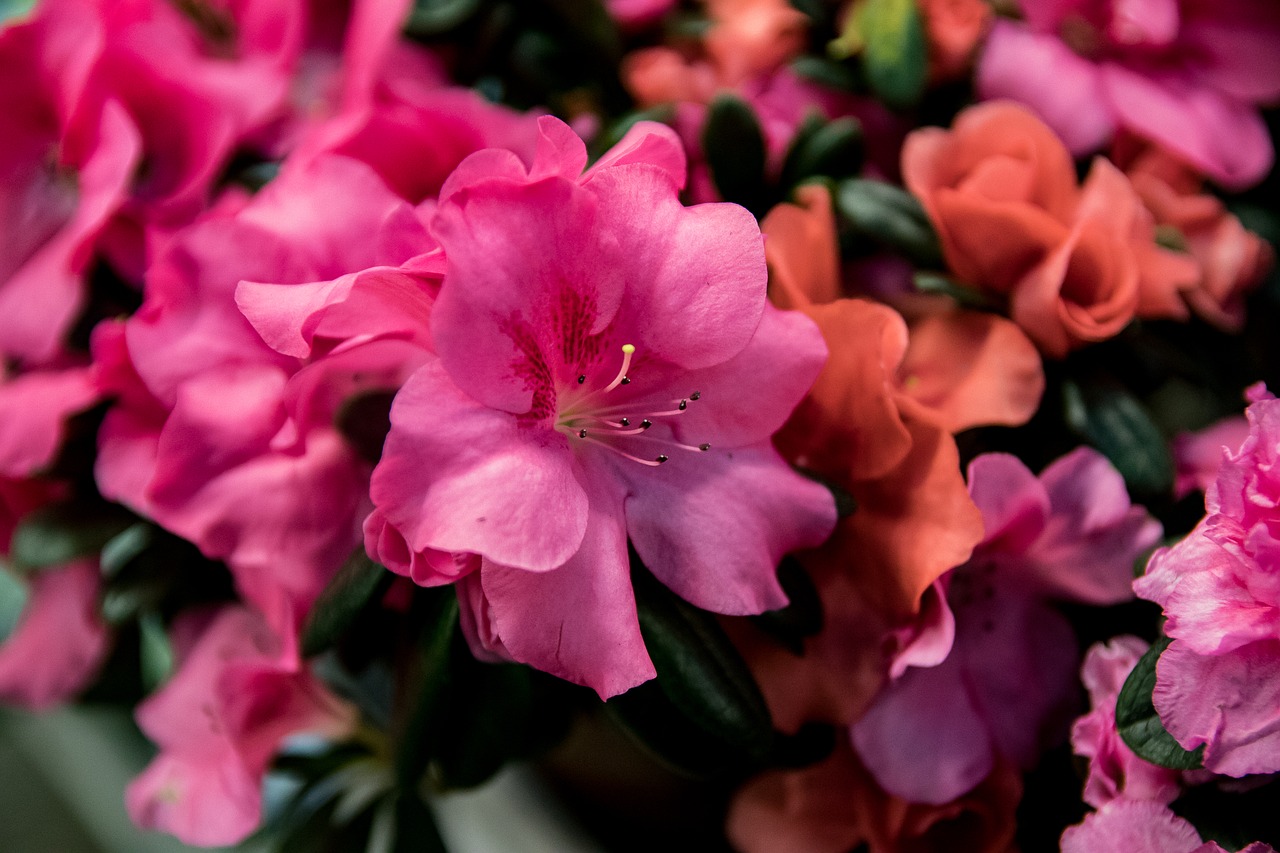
[621, 378]
[652, 463]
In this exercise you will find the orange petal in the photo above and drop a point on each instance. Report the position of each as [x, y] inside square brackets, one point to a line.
[800, 245]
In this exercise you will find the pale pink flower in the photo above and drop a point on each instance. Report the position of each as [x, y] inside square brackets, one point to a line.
[1199, 455]
[607, 371]
[1218, 683]
[1184, 73]
[1114, 771]
[240, 689]
[1069, 535]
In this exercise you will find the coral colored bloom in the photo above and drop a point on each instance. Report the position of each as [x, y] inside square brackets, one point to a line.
[608, 371]
[239, 690]
[953, 28]
[1114, 771]
[1069, 535]
[1218, 683]
[60, 639]
[1076, 263]
[1182, 73]
[1231, 261]
[835, 806]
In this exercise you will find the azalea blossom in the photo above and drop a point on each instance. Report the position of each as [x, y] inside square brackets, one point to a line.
[1140, 826]
[608, 372]
[1069, 535]
[1217, 682]
[1183, 73]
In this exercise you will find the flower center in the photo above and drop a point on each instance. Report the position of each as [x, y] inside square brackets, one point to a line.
[625, 427]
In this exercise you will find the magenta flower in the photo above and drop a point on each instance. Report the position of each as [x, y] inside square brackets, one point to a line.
[607, 371]
[1069, 535]
[239, 691]
[1186, 74]
[1218, 683]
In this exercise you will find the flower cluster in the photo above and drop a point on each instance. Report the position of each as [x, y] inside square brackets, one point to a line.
[392, 390]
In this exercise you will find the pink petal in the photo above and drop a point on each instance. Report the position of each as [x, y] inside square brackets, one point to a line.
[1040, 71]
[723, 555]
[33, 409]
[526, 262]
[1222, 137]
[1131, 826]
[456, 476]
[650, 144]
[577, 621]
[1013, 502]
[923, 739]
[201, 801]
[1236, 38]
[1231, 702]
[59, 641]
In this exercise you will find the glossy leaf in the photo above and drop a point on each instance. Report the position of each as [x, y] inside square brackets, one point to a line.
[802, 617]
[13, 599]
[432, 17]
[824, 149]
[359, 582]
[889, 216]
[58, 533]
[155, 651]
[889, 35]
[734, 146]
[1139, 725]
[422, 729]
[1110, 417]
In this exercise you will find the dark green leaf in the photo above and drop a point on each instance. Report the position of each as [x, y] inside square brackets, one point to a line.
[1139, 725]
[890, 216]
[422, 730]
[965, 296]
[701, 677]
[489, 715]
[415, 826]
[1233, 818]
[826, 72]
[1110, 417]
[830, 149]
[433, 17]
[155, 651]
[125, 547]
[802, 617]
[61, 532]
[13, 598]
[357, 584]
[734, 147]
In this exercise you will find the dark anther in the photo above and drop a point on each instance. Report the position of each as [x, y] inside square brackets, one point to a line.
[704, 447]
[625, 421]
[625, 381]
[696, 395]
[662, 458]
[582, 379]
[582, 433]
[684, 404]
[646, 423]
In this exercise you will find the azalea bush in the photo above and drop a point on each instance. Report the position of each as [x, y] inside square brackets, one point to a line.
[815, 426]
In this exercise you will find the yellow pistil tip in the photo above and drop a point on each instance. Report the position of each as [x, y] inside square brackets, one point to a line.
[628, 348]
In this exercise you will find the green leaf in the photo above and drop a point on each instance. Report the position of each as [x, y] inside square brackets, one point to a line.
[702, 684]
[734, 147]
[965, 296]
[890, 216]
[825, 149]
[421, 732]
[13, 599]
[14, 11]
[155, 651]
[359, 582]
[895, 53]
[489, 715]
[1107, 415]
[125, 547]
[364, 420]
[61, 532]
[433, 17]
[1139, 725]
[415, 826]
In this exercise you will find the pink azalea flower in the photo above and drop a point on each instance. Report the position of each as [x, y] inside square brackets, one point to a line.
[1199, 455]
[59, 641]
[240, 690]
[63, 172]
[1184, 73]
[1140, 826]
[33, 409]
[1218, 683]
[1114, 771]
[607, 371]
[208, 437]
[1070, 535]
